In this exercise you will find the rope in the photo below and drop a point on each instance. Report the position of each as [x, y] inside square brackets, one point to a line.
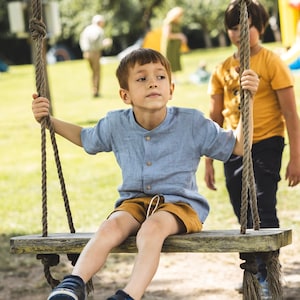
[38, 32]
[248, 182]
[49, 260]
[251, 287]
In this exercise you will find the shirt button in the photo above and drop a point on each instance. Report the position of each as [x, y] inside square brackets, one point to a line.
[149, 163]
[148, 138]
[148, 187]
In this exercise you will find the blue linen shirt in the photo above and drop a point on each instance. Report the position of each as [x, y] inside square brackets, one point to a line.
[164, 160]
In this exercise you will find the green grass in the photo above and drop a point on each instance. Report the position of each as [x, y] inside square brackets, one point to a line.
[91, 180]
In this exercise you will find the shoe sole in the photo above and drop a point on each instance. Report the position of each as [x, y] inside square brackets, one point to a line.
[62, 293]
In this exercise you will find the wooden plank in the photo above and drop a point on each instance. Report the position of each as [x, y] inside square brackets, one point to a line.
[263, 240]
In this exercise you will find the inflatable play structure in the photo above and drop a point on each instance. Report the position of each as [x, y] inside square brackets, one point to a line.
[289, 12]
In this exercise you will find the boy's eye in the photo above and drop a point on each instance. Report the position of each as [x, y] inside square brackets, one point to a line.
[158, 77]
[234, 28]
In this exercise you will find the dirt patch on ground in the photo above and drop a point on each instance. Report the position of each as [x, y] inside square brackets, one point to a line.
[180, 276]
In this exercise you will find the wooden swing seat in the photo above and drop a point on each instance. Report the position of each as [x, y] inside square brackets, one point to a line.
[263, 240]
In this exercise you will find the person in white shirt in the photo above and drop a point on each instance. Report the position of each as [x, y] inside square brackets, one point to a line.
[92, 42]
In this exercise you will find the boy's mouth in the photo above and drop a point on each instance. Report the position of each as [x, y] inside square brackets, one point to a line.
[151, 95]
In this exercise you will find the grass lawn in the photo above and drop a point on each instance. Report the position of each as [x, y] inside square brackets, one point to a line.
[91, 180]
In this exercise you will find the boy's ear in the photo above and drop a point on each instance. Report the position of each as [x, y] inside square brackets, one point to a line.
[172, 87]
[125, 96]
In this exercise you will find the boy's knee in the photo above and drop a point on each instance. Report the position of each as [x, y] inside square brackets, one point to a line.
[150, 231]
[110, 227]
[150, 226]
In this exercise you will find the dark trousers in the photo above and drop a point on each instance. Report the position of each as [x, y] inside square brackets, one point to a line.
[266, 157]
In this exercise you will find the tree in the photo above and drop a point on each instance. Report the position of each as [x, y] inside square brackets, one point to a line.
[128, 20]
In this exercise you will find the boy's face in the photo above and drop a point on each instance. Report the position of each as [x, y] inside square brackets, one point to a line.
[149, 87]
[234, 35]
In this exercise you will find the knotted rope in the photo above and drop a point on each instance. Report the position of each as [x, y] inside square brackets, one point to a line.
[250, 283]
[251, 287]
[248, 182]
[38, 32]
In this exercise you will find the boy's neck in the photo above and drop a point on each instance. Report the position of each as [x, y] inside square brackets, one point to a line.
[151, 120]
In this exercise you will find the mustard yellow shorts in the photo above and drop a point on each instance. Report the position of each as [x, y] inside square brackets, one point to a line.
[139, 207]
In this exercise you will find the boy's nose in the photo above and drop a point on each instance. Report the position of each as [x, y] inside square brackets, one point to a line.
[152, 83]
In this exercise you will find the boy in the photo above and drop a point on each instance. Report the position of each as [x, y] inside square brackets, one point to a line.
[274, 108]
[158, 149]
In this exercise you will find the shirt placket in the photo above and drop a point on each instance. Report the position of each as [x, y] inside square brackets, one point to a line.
[148, 161]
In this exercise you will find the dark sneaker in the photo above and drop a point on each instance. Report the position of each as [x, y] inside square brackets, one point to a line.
[265, 293]
[262, 279]
[120, 295]
[71, 288]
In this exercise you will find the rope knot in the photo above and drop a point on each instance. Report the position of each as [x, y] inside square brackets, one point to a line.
[249, 267]
[250, 264]
[37, 29]
[50, 260]
[248, 2]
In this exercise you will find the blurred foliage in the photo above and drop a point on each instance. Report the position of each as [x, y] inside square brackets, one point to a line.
[128, 20]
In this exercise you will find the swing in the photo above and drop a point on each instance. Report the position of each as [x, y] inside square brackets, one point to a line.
[248, 242]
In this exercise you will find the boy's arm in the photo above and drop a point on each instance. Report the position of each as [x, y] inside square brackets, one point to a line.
[215, 113]
[250, 82]
[40, 109]
[288, 107]
[69, 131]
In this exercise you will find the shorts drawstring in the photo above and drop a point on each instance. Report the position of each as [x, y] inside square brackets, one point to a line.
[157, 198]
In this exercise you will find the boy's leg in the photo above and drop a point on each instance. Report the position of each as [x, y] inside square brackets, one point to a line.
[95, 67]
[266, 156]
[110, 234]
[149, 240]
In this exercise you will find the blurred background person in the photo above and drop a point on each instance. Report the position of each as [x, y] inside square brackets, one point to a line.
[92, 41]
[172, 39]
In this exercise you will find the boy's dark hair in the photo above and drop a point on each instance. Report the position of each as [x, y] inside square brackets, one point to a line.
[140, 56]
[257, 13]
